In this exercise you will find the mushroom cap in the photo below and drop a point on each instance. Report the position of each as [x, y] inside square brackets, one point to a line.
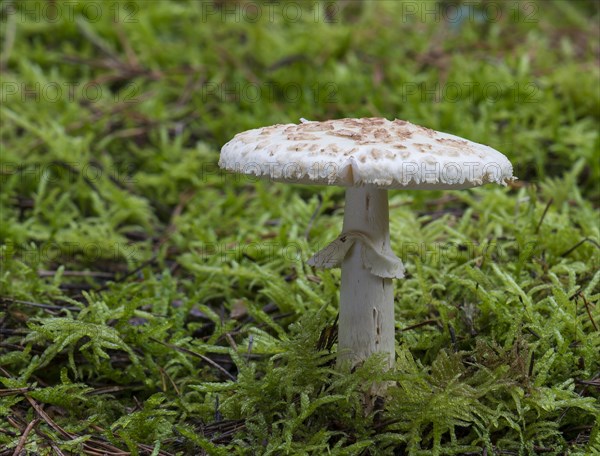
[369, 151]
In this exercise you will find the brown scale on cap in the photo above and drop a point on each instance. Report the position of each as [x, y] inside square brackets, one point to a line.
[302, 137]
[309, 127]
[407, 124]
[348, 122]
[245, 138]
[461, 144]
[454, 147]
[345, 134]
[376, 154]
[383, 135]
[314, 126]
[298, 147]
[403, 134]
[265, 131]
[423, 147]
[428, 131]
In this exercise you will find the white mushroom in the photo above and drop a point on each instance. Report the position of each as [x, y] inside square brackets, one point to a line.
[368, 156]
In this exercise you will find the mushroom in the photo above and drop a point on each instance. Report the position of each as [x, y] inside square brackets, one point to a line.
[367, 156]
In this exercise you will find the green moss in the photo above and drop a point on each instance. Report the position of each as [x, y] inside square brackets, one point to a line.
[150, 303]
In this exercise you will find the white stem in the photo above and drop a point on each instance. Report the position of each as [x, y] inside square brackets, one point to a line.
[366, 322]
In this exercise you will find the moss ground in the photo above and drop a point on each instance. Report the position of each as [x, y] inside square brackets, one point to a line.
[150, 304]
